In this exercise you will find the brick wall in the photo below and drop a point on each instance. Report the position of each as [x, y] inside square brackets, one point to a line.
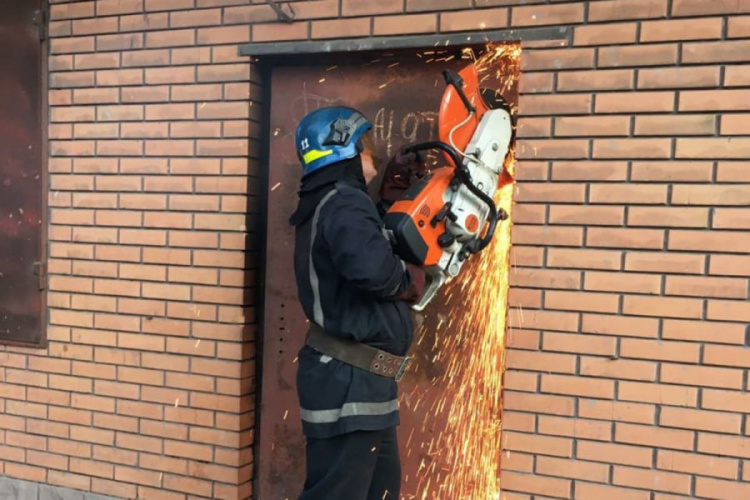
[627, 363]
[145, 387]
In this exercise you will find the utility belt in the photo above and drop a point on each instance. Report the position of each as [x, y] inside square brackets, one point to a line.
[358, 354]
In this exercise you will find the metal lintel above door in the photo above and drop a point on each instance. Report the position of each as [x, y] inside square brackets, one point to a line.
[402, 42]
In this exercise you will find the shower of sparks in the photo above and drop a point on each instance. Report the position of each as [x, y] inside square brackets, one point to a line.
[462, 456]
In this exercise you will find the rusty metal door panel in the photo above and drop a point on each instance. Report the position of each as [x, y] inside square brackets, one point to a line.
[400, 95]
[21, 196]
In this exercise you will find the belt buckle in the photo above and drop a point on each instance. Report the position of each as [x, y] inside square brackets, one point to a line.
[403, 367]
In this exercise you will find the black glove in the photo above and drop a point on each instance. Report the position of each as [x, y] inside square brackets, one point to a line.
[399, 174]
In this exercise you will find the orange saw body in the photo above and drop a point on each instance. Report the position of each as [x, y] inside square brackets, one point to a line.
[450, 213]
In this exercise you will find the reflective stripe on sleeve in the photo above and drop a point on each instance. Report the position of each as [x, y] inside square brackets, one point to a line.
[314, 281]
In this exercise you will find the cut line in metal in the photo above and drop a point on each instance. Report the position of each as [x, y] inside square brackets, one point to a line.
[402, 42]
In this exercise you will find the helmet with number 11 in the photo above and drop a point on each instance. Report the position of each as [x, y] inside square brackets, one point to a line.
[330, 135]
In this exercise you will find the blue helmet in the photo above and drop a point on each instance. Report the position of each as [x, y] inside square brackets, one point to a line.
[330, 135]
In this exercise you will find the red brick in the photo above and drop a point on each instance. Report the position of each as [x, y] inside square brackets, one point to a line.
[359, 8]
[701, 376]
[725, 400]
[739, 27]
[715, 52]
[627, 9]
[692, 463]
[675, 125]
[543, 445]
[544, 278]
[628, 194]
[581, 301]
[736, 76]
[615, 453]
[577, 386]
[617, 102]
[734, 124]
[657, 393]
[726, 356]
[145, 58]
[617, 368]
[534, 127]
[558, 488]
[679, 78]
[637, 56]
[730, 265]
[653, 436]
[144, 22]
[605, 34]
[723, 445]
[720, 241]
[659, 350]
[589, 170]
[651, 480]
[620, 325]
[727, 423]
[579, 344]
[622, 282]
[584, 259]
[706, 287]
[558, 59]
[724, 490]
[725, 333]
[539, 361]
[664, 262]
[595, 80]
[668, 217]
[519, 462]
[625, 238]
[532, 83]
[548, 236]
[592, 126]
[714, 100]
[663, 307]
[545, 15]
[697, 7]
[590, 491]
[521, 381]
[473, 20]
[575, 427]
[687, 29]
[711, 195]
[560, 104]
[537, 403]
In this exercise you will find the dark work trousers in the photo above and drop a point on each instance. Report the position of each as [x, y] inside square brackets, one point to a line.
[361, 465]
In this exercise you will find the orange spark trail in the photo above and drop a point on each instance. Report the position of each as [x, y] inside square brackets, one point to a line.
[468, 343]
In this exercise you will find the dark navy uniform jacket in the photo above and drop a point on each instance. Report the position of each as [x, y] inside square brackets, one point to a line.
[347, 278]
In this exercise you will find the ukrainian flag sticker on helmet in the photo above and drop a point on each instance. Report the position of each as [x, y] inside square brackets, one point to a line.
[329, 135]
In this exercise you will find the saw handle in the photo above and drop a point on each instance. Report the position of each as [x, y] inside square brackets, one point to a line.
[454, 79]
[463, 175]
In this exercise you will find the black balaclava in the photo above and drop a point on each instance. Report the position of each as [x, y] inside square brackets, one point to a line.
[316, 185]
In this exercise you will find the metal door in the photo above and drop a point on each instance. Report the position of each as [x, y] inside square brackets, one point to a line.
[400, 94]
[21, 192]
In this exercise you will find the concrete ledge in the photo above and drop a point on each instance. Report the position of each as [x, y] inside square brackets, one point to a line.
[15, 489]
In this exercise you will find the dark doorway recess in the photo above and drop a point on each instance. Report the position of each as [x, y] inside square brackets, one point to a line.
[22, 197]
[400, 92]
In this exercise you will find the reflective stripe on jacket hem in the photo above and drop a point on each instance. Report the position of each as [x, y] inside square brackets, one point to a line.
[349, 410]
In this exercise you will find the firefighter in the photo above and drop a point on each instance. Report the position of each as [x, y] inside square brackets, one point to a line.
[355, 291]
